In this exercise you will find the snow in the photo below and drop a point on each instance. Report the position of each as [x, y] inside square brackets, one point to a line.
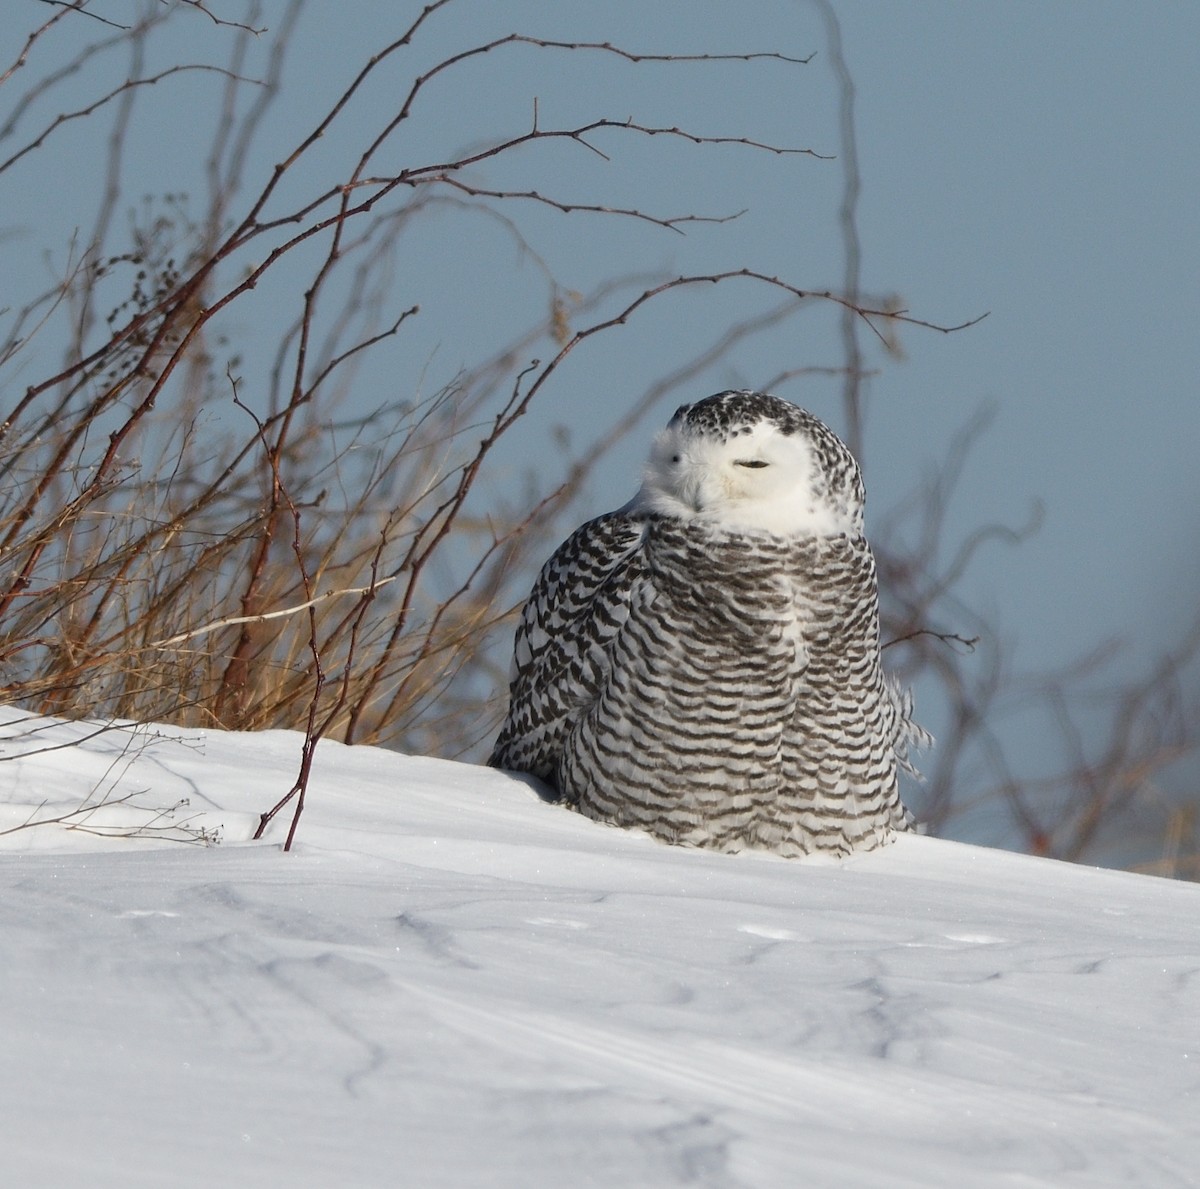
[451, 983]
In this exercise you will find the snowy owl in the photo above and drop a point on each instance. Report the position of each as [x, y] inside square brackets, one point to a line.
[703, 663]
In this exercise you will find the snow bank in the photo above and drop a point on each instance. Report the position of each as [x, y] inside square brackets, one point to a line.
[450, 983]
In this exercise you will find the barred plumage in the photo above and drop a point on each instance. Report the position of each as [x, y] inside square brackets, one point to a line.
[704, 663]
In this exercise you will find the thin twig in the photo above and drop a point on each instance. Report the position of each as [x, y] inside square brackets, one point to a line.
[264, 617]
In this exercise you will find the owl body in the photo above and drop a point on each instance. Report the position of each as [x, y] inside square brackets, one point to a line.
[704, 663]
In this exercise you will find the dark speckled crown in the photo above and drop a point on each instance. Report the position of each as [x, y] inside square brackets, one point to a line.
[730, 414]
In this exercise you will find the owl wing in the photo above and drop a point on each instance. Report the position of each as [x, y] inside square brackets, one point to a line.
[561, 656]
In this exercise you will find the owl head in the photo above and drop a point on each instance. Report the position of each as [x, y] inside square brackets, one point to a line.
[752, 462]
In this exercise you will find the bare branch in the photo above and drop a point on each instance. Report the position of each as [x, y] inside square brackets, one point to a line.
[83, 112]
[200, 6]
[672, 223]
[266, 616]
[630, 56]
[966, 643]
[34, 36]
[80, 6]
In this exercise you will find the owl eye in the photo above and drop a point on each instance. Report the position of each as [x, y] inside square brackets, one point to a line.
[750, 462]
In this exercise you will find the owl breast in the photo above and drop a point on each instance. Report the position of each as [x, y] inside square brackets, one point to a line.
[702, 726]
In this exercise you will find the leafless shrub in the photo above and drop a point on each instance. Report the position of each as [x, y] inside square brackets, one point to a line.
[279, 566]
[109, 808]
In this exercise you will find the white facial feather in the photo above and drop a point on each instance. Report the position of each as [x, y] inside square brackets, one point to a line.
[763, 480]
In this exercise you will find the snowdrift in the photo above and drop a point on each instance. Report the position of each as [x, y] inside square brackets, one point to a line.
[451, 983]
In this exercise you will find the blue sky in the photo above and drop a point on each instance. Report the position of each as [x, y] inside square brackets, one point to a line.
[1038, 161]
